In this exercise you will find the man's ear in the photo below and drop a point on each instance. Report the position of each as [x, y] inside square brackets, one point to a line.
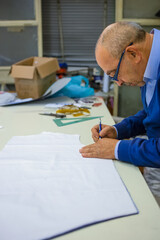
[134, 54]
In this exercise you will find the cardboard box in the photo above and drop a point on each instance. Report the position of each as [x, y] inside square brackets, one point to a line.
[33, 76]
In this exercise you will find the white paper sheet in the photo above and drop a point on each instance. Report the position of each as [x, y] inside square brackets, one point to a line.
[60, 102]
[47, 188]
[7, 99]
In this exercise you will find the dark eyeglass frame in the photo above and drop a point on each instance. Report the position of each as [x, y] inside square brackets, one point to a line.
[115, 77]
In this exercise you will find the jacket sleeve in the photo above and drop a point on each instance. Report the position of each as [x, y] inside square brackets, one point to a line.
[140, 152]
[131, 126]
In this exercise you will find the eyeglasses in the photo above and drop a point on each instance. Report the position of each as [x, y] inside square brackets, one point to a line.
[114, 78]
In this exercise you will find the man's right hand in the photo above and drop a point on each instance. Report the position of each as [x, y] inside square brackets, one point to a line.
[106, 132]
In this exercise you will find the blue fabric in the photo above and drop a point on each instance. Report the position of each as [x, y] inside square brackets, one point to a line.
[142, 152]
[150, 86]
[151, 72]
[75, 88]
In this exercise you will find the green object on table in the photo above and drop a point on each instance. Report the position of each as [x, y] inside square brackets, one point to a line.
[60, 123]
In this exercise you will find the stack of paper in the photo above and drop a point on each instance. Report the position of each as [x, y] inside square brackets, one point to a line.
[47, 188]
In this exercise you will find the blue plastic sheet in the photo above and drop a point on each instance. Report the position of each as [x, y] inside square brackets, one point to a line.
[78, 87]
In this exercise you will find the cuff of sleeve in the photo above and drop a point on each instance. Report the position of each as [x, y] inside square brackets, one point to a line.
[116, 130]
[121, 129]
[123, 151]
[116, 150]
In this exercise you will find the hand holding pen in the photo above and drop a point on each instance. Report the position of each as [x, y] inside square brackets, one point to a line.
[106, 131]
[103, 148]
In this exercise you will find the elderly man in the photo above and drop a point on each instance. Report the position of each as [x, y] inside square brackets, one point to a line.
[130, 56]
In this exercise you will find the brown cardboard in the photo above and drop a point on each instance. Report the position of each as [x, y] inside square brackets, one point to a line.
[33, 76]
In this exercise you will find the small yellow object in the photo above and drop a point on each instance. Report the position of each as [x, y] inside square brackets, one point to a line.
[73, 110]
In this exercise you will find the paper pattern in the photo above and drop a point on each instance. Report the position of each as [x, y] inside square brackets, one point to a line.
[47, 188]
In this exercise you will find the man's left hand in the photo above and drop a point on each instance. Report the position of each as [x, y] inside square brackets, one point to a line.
[103, 148]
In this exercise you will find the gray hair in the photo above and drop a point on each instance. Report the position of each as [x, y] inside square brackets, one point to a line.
[116, 37]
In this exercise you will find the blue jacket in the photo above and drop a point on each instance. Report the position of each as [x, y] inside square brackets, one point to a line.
[142, 152]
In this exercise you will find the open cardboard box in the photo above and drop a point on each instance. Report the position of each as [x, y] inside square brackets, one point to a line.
[33, 76]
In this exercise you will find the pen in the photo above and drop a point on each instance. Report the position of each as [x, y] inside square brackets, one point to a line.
[100, 127]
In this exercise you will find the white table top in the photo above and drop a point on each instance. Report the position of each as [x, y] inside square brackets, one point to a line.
[25, 120]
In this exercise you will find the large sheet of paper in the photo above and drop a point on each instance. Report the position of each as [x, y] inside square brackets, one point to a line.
[48, 189]
[7, 99]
